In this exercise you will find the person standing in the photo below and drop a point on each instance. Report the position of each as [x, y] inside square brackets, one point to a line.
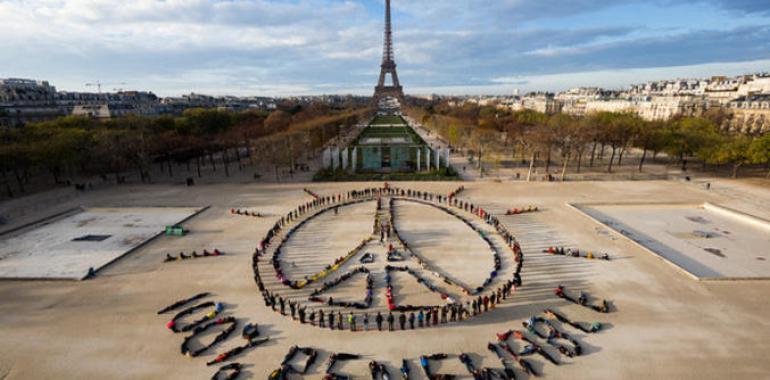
[411, 320]
[378, 319]
[340, 321]
[435, 316]
[391, 319]
[321, 319]
[402, 321]
[420, 319]
[331, 320]
[352, 322]
[366, 321]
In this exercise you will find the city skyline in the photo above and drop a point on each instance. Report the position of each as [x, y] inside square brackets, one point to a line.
[283, 48]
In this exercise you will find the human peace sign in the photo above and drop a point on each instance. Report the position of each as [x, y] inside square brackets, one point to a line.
[387, 244]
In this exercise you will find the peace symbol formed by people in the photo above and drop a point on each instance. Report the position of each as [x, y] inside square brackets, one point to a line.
[382, 254]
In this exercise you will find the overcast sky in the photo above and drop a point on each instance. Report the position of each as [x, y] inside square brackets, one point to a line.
[295, 47]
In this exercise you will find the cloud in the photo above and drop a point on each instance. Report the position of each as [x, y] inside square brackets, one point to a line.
[612, 79]
[236, 46]
[746, 6]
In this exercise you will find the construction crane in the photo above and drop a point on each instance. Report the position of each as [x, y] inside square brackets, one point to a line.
[98, 84]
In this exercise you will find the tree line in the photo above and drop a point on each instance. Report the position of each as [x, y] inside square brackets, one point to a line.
[73, 147]
[538, 138]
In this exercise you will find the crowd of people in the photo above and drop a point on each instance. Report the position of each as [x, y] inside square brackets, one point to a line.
[499, 350]
[237, 211]
[582, 300]
[389, 289]
[503, 348]
[210, 321]
[510, 241]
[311, 193]
[287, 368]
[175, 326]
[561, 251]
[453, 311]
[194, 255]
[221, 337]
[183, 302]
[228, 372]
[292, 216]
[378, 371]
[333, 360]
[420, 260]
[591, 329]
[367, 258]
[553, 336]
[456, 192]
[531, 348]
[315, 295]
[523, 210]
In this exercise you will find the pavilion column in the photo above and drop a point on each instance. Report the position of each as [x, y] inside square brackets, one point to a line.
[326, 157]
[335, 158]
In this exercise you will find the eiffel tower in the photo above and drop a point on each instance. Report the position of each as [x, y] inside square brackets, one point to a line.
[388, 66]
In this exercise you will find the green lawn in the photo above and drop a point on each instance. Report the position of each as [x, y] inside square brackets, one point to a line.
[390, 132]
[442, 174]
[388, 120]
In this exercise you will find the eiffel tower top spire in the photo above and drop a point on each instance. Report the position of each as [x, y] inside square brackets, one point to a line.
[388, 65]
[387, 51]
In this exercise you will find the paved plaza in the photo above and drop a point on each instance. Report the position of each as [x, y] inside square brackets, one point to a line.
[662, 323]
[706, 241]
[69, 246]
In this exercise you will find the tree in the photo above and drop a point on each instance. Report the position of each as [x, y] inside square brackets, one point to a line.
[759, 151]
[649, 137]
[617, 131]
[718, 116]
[114, 149]
[278, 121]
[60, 145]
[15, 156]
[481, 139]
[564, 129]
[206, 121]
[733, 150]
[534, 136]
[584, 134]
[685, 137]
